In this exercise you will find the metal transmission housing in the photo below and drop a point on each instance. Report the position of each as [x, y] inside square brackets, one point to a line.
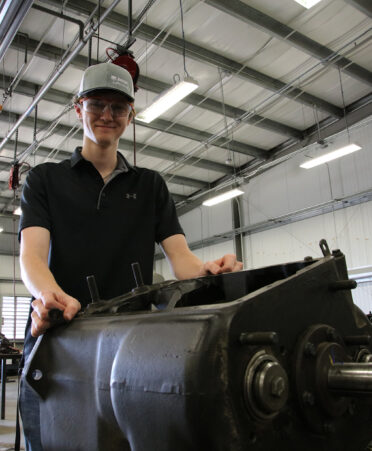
[273, 358]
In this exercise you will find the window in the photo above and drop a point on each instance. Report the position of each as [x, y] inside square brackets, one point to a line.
[14, 317]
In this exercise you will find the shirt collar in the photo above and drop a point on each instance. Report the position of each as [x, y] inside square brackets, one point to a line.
[123, 164]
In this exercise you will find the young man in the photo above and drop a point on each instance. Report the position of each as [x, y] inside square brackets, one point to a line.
[95, 214]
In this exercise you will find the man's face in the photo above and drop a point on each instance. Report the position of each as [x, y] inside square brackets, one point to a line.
[105, 116]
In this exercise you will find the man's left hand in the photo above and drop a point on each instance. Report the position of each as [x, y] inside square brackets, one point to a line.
[227, 263]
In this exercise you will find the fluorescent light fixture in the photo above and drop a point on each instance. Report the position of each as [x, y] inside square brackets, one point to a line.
[167, 99]
[222, 197]
[307, 3]
[17, 211]
[1, 229]
[330, 156]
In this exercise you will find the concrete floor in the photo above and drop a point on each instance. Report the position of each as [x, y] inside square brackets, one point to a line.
[8, 426]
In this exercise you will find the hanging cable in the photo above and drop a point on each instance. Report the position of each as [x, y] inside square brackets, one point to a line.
[14, 171]
[333, 205]
[13, 184]
[316, 117]
[228, 159]
[134, 142]
[129, 20]
[343, 104]
[90, 52]
[14, 267]
[35, 121]
[183, 41]
[99, 27]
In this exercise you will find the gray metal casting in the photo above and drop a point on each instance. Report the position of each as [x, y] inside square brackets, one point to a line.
[164, 367]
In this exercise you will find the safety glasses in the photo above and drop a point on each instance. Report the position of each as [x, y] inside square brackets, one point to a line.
[97, 105]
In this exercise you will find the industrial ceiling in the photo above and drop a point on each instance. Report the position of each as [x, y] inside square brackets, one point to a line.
[273, 77]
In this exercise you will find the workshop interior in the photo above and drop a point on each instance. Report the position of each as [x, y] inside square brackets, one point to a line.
[258, 115]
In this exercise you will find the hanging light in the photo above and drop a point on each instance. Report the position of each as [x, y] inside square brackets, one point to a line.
[167, 99]
[330, 156]
[307, 3]
[222, 197]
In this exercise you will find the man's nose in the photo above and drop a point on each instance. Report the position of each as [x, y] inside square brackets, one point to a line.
[107, 112]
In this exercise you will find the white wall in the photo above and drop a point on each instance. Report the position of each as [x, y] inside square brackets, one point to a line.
[199, 224]
[288, 188]
[7, 272]
[349, 229]
[204, 222]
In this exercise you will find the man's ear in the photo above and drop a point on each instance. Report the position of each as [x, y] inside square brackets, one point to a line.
[77, 107]
[132, 114]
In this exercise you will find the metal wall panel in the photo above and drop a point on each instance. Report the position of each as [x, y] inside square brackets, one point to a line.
[362, 296]
[287, 188]
[7, 265]
[204, 222]
[348, 229]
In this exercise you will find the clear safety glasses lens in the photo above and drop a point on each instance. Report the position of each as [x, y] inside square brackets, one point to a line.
[96, 106]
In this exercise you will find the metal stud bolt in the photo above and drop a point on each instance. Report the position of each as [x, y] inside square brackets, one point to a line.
[277, 387]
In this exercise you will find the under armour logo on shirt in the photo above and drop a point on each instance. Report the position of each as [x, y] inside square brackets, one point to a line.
[130, 195]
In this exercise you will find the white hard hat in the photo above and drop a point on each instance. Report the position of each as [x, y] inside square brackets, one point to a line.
[106, 76]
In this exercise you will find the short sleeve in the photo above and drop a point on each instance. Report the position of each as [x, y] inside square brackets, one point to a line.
[167, 223]
[34, 202]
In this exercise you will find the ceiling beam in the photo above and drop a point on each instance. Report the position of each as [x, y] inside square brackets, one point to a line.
[29, 89]
[178, 197]
[170, 155]
[149, 84]
[125, 144]
[274, 28]
[365, 6]
[203, 55]
[206, 103]
[199, 135]
[166, 127]
[358, 111]
[355, 113]
[180, 180]
[44, 151]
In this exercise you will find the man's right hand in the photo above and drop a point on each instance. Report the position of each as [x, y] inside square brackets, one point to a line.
[47, 301]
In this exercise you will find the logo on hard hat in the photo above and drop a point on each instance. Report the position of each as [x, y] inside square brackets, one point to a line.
[119, 81]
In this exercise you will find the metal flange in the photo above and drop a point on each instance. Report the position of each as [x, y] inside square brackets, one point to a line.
[265, 386]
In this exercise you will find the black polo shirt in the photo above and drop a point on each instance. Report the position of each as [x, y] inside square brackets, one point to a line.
[98, 228]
